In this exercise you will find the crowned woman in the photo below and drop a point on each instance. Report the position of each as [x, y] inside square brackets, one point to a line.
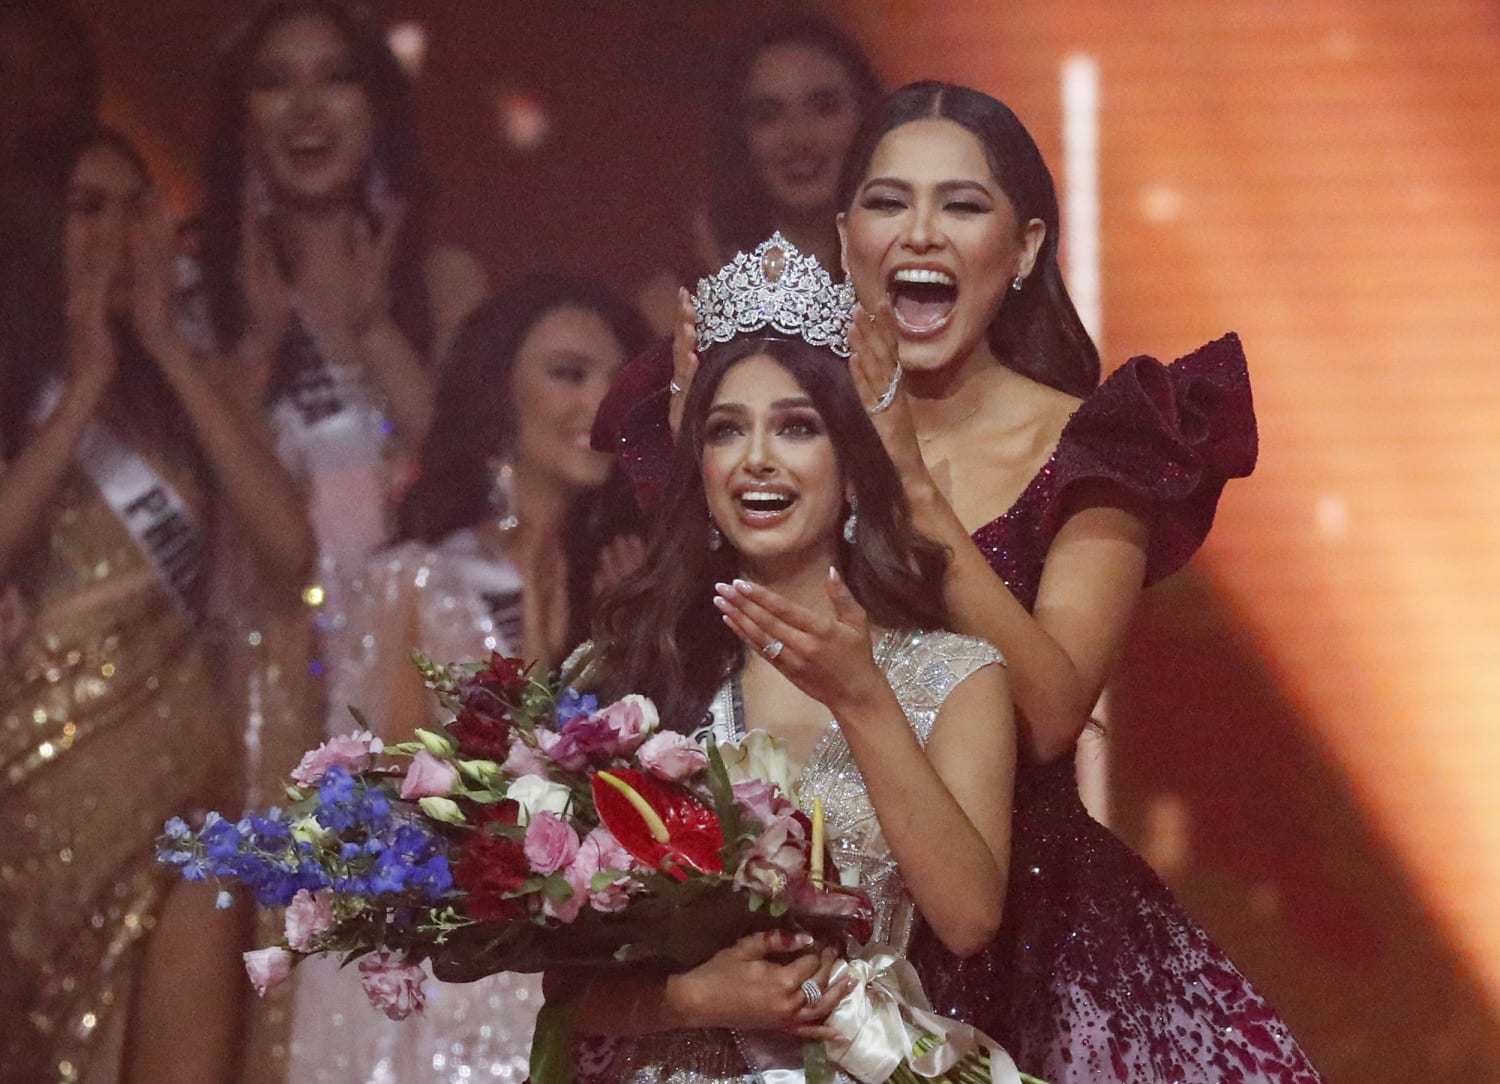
[785, 589]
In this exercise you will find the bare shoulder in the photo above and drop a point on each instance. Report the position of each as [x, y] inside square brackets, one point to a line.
[456, 283]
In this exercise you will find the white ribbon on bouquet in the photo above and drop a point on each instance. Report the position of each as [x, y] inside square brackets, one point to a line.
[886, 1011]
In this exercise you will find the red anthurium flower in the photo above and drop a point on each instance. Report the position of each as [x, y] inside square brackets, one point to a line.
[508, 674]
[692, 833]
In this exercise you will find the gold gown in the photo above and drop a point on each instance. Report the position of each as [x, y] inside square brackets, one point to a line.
[110, 722]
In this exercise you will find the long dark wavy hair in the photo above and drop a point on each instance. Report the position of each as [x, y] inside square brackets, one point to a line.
[396, 156]
[740, 210]
[475, 418]
[1037, 331]
[659, 632]
[33, 349]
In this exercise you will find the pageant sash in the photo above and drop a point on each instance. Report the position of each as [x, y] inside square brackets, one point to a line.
[148, 506]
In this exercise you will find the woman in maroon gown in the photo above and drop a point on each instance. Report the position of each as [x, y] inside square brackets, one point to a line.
[1060, 498]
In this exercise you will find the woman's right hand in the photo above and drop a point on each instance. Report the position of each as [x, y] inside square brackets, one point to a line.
[756, 985]
[268, 296]
[92, 267]
[684, 358]
[874, 361]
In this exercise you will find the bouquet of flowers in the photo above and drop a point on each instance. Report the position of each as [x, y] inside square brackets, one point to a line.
[534, 830]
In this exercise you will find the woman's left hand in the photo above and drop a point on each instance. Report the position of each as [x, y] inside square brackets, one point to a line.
[828, 657]
[153, 281]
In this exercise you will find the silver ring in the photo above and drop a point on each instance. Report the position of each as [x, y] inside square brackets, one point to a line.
[889, 396]
[674, 387]
[812, 992]
[772, 650]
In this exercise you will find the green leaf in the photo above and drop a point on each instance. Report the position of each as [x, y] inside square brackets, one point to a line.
[606, 877]
[815, 1062]
[778, 908]
[552, 1041]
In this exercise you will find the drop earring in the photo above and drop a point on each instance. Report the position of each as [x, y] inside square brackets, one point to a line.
[1016, 283]
[852, 523]
[502, 495]
[715, 536]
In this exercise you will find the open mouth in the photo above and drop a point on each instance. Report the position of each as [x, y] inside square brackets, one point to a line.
[309, 151]
[923, 299]
[765, 503]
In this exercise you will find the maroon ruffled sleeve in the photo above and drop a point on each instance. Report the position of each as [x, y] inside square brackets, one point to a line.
[632, 421]
[1170, 435]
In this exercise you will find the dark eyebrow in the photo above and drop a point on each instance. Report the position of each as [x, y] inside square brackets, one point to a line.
[795, 403]
[944, 188]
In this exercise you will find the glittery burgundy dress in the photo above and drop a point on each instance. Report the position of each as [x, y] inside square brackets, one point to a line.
[1098, 974]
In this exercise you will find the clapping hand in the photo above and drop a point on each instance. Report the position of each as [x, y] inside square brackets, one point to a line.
[92, 267]
[267, 294]
[152, 280]
[874, 360]
[826, 655]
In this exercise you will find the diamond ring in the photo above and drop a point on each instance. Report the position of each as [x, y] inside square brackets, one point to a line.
[772, 650]
[674, 387]
[812, 992]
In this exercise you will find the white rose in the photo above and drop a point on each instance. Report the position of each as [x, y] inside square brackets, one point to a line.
[537, 795]
[758, 756]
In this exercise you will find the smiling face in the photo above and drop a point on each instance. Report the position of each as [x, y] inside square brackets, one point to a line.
[770, 474]
[558, 379]
[801, 112]
[104, 204]
[311, 125]
[931, 230]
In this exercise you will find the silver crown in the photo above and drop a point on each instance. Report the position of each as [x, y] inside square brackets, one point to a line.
[778, 287]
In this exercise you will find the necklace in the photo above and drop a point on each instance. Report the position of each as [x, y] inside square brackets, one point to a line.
[923, 438]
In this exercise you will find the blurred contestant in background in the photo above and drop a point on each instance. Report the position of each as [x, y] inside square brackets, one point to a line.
[120, 450]
[506, 536]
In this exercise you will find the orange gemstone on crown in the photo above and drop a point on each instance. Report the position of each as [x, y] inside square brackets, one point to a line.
[773, 263]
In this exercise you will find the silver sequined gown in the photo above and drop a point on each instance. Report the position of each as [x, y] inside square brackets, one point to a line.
[923, 668]
[455, 600]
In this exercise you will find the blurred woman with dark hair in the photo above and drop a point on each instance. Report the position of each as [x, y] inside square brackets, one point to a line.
[788, 99]
[504, 539]
[317, 276]
[120, 450]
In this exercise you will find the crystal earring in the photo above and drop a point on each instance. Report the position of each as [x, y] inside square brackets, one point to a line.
[1016, 283]
[502, 495]
[852, 523]
[715, 536]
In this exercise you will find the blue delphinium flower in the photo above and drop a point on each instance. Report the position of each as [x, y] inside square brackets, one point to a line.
[572, 704]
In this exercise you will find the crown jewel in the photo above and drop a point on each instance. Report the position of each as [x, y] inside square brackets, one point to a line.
[778, 287]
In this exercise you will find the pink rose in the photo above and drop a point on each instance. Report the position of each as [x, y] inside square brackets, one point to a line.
[350, 751]
[429, 777]
[551, 844]
[761, 800]
[602, 851]
[308, 915]
[630, 719]
[526, 760]
[268, 967]
[393, 985]
[672, 756]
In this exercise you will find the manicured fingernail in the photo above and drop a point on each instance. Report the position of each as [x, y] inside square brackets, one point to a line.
[724, 588]
[723, 606]
[743, 585]
[803, 940]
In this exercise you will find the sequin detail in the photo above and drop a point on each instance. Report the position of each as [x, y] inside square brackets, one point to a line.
[1098, 973]
[923, 668]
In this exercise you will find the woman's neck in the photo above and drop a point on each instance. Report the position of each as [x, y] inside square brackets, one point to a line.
[541, 508]
[301, 228]
[814, 234]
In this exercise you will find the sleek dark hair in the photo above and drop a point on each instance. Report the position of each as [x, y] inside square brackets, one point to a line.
[396, 158]
[1037, 331]
[32, 349]
[740, 210]
[659, 632]
[475, 418]
[35, 164]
